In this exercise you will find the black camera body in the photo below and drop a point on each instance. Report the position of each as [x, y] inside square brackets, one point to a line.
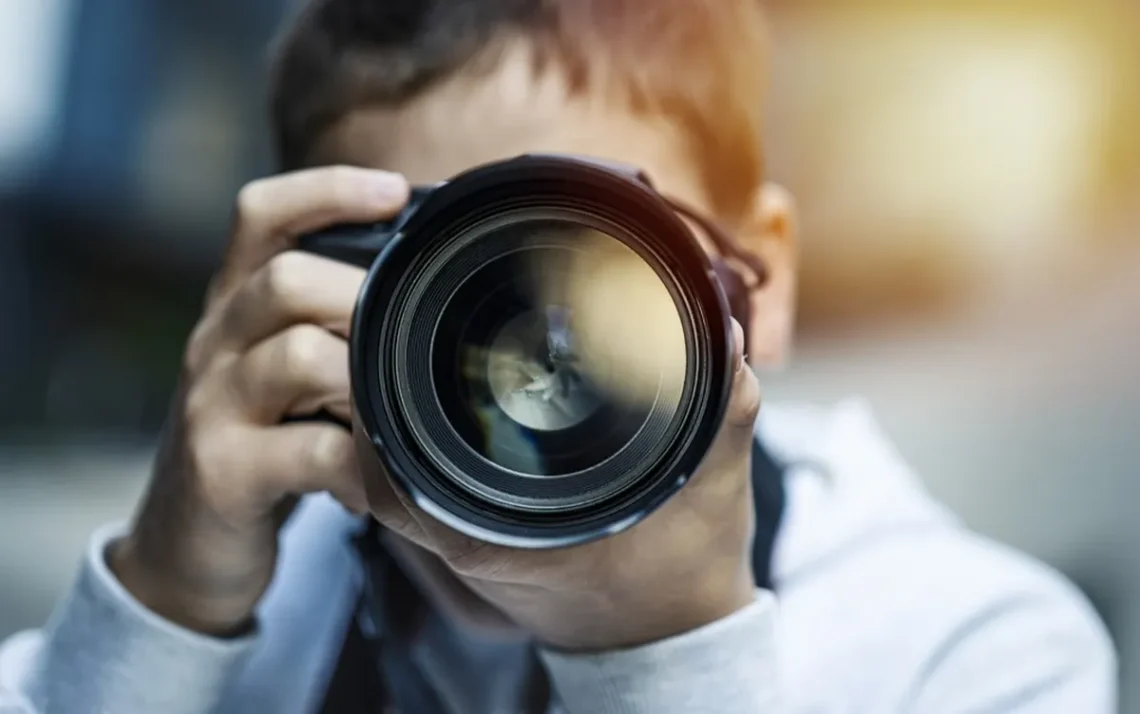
[463, 369]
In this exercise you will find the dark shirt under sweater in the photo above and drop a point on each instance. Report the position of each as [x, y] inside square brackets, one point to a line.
[401, 656]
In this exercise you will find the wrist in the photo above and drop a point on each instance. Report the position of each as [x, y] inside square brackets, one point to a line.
[175, 598]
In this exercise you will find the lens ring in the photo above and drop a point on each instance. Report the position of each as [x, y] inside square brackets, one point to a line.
[535, 181]
[436, 280]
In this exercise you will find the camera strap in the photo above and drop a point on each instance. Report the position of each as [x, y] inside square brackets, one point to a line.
[381, 668]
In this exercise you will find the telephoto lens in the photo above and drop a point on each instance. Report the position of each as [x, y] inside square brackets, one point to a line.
[541, 349]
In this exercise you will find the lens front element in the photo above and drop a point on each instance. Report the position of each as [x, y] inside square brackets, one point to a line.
[541, 354]
[554, 361]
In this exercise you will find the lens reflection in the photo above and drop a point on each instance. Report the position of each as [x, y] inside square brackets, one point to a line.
[550, 358]
[533, 372]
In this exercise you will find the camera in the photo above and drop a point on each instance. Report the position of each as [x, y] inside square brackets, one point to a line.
[541, 350]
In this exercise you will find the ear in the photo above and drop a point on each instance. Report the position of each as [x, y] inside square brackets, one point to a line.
[769, 231]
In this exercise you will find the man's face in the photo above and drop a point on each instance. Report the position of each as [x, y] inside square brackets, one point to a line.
[475, 120]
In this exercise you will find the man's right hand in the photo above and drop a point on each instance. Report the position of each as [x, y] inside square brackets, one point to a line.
[271, 344]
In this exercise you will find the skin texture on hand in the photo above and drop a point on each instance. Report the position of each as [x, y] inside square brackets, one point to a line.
[685, 566]
[271, 344]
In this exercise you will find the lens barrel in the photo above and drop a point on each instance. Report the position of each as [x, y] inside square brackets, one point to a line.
[541, 352]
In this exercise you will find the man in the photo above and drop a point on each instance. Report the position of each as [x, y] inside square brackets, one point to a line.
[885, 603]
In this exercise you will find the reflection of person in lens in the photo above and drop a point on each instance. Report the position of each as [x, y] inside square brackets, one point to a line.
[558, 377]
[887, 605]
[559, 338]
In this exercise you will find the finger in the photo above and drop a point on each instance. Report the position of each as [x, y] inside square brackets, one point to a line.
[387, 503]
[272, 212]
[722, 482]
[446, 590]
[298, 372]
[733, 442]
[464, 554]
[290, 289]
[744, 403]
[397, 512]
[294, 459]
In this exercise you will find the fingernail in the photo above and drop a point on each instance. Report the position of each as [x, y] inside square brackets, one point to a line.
[738, 345]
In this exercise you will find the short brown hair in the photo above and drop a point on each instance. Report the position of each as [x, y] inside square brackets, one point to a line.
[698, 63]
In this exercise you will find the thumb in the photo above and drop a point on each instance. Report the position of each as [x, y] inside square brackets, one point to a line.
[744, 403]
[736, 432]
[731, 451]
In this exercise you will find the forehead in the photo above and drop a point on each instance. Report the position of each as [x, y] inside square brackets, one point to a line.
[472, 120]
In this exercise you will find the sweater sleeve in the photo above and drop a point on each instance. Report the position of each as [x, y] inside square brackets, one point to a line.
[102, 651]
[1038, 653]
[727, 667]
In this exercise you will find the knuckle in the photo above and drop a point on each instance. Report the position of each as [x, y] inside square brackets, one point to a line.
[331, 450]
[227, 482]
[195, 357]
[207, 454]
[284, 278]
[469, 557]
[251, 201]
[197, 406]
[198, 353]
[302, 350]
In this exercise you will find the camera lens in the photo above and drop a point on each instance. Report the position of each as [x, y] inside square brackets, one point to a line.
[554, 360]
[541, 353]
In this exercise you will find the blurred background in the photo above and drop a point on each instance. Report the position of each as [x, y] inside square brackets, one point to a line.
[969, 179]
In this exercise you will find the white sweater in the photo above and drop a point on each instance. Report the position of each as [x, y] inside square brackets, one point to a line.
[886, 606]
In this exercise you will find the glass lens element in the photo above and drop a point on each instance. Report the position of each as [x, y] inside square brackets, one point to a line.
[550, 357]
